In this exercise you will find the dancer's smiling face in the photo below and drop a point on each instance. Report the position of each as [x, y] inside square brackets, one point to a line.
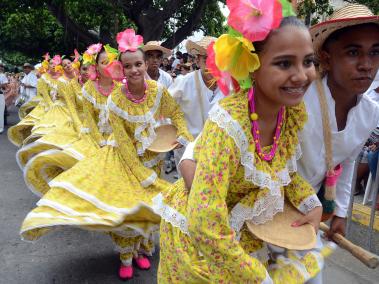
[52, 66]
[134, 66]
[84, 72]
[287, 66]
[67, 65]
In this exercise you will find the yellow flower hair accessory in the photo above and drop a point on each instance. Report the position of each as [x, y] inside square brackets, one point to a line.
[59, 69]
[89, 58]
[76, 62]
[45, 62]
[112, 53]
[234, 54]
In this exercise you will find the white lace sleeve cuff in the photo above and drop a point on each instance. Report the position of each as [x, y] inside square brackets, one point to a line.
[183, 141]
[309, 203]
[85, 130]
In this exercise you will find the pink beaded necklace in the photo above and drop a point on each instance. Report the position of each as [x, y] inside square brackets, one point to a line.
[129, 95]
[255, 129]
[102, 91]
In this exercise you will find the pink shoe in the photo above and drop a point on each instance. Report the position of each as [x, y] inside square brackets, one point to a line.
[125, 272]
[142, 262]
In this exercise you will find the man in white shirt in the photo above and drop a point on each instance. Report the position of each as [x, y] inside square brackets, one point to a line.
[29, 82]
[3, 83]
[196, 92]
[176, 61]
[155, 53]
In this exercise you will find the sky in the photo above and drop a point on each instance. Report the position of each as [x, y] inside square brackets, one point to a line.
[199, 34]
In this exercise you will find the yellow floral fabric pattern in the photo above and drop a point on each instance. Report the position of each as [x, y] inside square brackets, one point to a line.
[231, 184]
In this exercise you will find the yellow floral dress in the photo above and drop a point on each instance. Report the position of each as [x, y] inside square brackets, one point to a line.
[112, 189]
[62, 148]
[56, 117]
[19, 132]
[203, 238]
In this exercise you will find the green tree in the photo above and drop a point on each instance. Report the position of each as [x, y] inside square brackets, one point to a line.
[29, 28]
[313, 11]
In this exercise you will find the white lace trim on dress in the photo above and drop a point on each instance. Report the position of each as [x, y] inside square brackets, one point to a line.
[146, 120]
[112, 143]
[54, 88]
[265, 208]
[103, 124]
[150, 180]
[153, 162]
[170, 214]
[309, 203]
[183, 141]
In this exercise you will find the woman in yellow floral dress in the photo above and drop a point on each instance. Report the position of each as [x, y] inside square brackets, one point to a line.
[56, 117]
[112, 190]
[45, 85]
[61, 149]
[245, 170]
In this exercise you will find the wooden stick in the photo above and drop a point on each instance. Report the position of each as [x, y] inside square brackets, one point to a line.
[366, 257]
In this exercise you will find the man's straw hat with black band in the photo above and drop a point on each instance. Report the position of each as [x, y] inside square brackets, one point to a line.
[155, 45]
[349, 15]
[199, 47]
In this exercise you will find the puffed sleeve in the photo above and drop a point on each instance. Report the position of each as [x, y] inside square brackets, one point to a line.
[170, 109]
[69, 97]
[208, 216]
[44, 90]
[301, 194]
[90, 121]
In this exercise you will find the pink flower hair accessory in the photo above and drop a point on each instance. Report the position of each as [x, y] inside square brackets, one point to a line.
[128, 40]
[254, 19]
[224, 79]
[92, 72]
[57, 59]
[115, 71]
[94, 48]
[77, 55]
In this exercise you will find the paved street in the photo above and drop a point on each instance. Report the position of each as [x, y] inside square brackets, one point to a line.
[76, 256]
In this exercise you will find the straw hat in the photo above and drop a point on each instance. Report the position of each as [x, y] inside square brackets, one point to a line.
[165, 139]
[155, 45]
[279, 231]
[199, 47]
[350, 15]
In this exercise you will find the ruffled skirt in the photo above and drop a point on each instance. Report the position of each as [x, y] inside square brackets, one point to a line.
[98, 193]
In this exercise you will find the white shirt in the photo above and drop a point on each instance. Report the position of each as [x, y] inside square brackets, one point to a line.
[3, 79]
[175, 63]
[184, 91]
[347, 144]
[164, 78]
[31, 80]
[371, 91]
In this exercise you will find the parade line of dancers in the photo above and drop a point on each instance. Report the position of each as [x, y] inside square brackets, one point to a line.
[272, 120]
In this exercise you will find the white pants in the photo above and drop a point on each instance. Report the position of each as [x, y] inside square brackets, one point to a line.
[178, 154]
[2, 109]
